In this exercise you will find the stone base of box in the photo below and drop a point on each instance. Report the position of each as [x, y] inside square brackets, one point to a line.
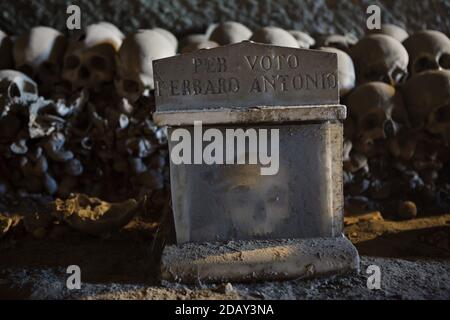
[258, 260]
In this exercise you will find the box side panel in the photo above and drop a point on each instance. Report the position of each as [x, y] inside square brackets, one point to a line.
[335, 131]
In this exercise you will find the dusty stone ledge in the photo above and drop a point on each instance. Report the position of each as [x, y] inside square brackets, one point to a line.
[242, 261]
[251, 115]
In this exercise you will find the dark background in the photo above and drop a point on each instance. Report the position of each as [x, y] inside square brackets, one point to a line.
[184, 16]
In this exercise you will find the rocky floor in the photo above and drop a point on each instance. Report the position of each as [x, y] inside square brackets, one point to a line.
[401, 279]
[413, 256]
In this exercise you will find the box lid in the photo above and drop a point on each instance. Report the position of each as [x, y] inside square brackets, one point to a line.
[246, 75]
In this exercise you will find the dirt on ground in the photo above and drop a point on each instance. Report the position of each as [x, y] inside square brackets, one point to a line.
[413, 257]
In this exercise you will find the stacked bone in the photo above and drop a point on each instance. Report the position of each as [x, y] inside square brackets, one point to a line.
[76, 114]
[398, 130]
[82, 135]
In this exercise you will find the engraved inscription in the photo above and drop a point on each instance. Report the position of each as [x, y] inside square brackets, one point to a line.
[246, 74]
[262, 83]
[278, 62]
[297, 82]
[199, 87]
[209, 65]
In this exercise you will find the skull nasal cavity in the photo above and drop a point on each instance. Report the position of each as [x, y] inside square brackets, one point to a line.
[424, 64]
[98, 63]
[389, 128]
[14, 90]
[444, 61]
[84, 73]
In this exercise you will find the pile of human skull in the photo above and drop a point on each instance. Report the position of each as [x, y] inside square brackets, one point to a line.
[76, 114]
[90, 129]
[397, 153]
[397, 90]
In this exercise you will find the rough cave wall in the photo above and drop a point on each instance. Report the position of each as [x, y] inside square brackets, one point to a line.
[183, 16]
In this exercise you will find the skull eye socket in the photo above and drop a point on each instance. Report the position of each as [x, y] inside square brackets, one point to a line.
[399, 76]
[14, 91]
[444, 61]
[98, 63]
[424, 64]
[371, 122]
[84, 73]
[72, 62]
[29, 87]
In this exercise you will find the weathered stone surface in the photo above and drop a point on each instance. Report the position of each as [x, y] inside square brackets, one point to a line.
[184, 16]
[246, 74]
[276, 114]
[259, 260]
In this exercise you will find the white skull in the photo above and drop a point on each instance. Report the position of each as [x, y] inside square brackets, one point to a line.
[90, 56]
[427, 97]
[275, 36]
[134, 62]
[428, 50]
[16, 84]
[229, 32]
[39, 54]
[380, 57]
[169, 35]
[372, 106]
[304, 40]
[346, 70]
[391, 30]
[15, 87]
[6, 45]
